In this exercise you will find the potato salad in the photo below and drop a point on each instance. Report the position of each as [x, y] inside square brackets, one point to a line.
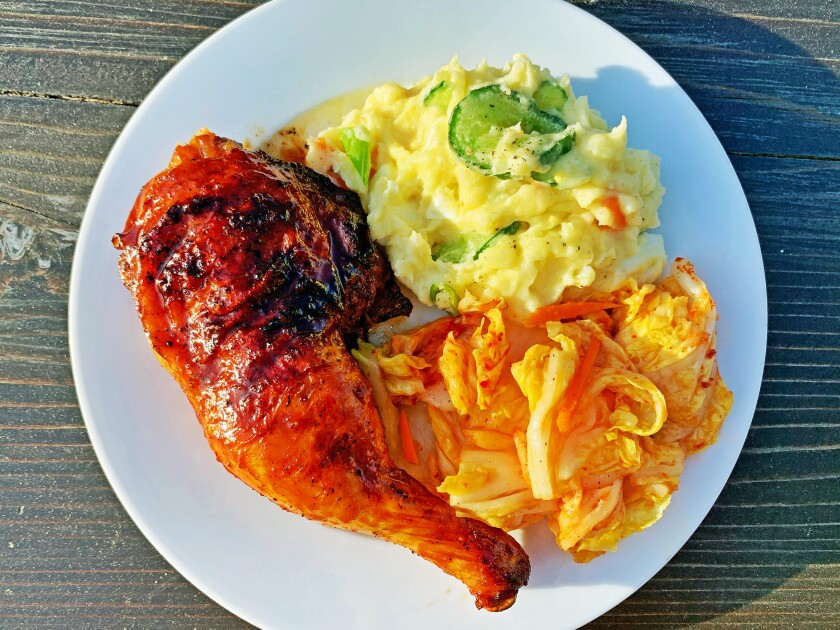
[500, 183]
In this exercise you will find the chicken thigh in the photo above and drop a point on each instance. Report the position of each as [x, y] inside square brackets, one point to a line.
[250, 276]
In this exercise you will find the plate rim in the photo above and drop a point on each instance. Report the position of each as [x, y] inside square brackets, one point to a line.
[75, 310]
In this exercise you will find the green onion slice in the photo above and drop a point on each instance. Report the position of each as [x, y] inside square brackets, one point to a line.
[508, 230]
[444, 297]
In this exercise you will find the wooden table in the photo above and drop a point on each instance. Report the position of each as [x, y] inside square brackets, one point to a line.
[766, 74]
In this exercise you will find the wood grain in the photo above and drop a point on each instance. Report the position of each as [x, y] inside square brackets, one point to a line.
[767, 77]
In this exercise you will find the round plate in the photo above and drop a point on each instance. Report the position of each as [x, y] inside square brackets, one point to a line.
[279, 570]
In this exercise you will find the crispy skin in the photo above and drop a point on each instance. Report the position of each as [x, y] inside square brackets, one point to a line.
[248, 275]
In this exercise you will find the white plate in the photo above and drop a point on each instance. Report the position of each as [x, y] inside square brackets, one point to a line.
[279, 570]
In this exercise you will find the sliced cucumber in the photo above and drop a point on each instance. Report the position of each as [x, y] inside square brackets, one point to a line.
[561, 147]
[550, 97]
[437, 96]
[479, 120]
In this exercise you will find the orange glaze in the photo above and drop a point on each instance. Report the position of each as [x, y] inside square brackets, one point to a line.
[248, 275]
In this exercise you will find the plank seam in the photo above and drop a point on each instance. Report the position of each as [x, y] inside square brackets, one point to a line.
[59, 220]
[70, 97]
[785, 156]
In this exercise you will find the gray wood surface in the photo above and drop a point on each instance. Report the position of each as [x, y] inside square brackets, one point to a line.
[766, 74]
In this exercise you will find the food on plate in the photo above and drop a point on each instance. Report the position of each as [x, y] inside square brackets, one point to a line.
[583, 414]
[249, 274]
[564, 384]
[500, 183]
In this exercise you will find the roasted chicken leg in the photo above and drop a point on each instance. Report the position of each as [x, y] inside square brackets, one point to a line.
[249, 276]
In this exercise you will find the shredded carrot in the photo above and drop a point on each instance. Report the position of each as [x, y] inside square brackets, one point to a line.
[611, 203]
[575, 388]
[565, 310]
[409, 451]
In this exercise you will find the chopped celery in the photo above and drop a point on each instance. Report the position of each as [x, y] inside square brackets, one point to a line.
[356, 144]
[451, 252]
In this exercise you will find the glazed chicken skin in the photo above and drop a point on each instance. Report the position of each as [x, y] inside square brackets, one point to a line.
[250, 275]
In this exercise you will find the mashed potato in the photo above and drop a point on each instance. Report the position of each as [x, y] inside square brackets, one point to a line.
[464, 199]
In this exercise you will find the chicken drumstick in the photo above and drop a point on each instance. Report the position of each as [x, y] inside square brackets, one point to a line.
[249, 274]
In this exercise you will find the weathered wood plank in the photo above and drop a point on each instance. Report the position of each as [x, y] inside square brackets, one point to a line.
[58, 522]
[190, 13]
[53, 150]
[754, 29]
[811, 10]
[67, 73]
[765, 75]
[769, 92]
[115, 52]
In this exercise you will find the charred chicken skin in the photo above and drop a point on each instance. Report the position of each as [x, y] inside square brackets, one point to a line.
[249, 275]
